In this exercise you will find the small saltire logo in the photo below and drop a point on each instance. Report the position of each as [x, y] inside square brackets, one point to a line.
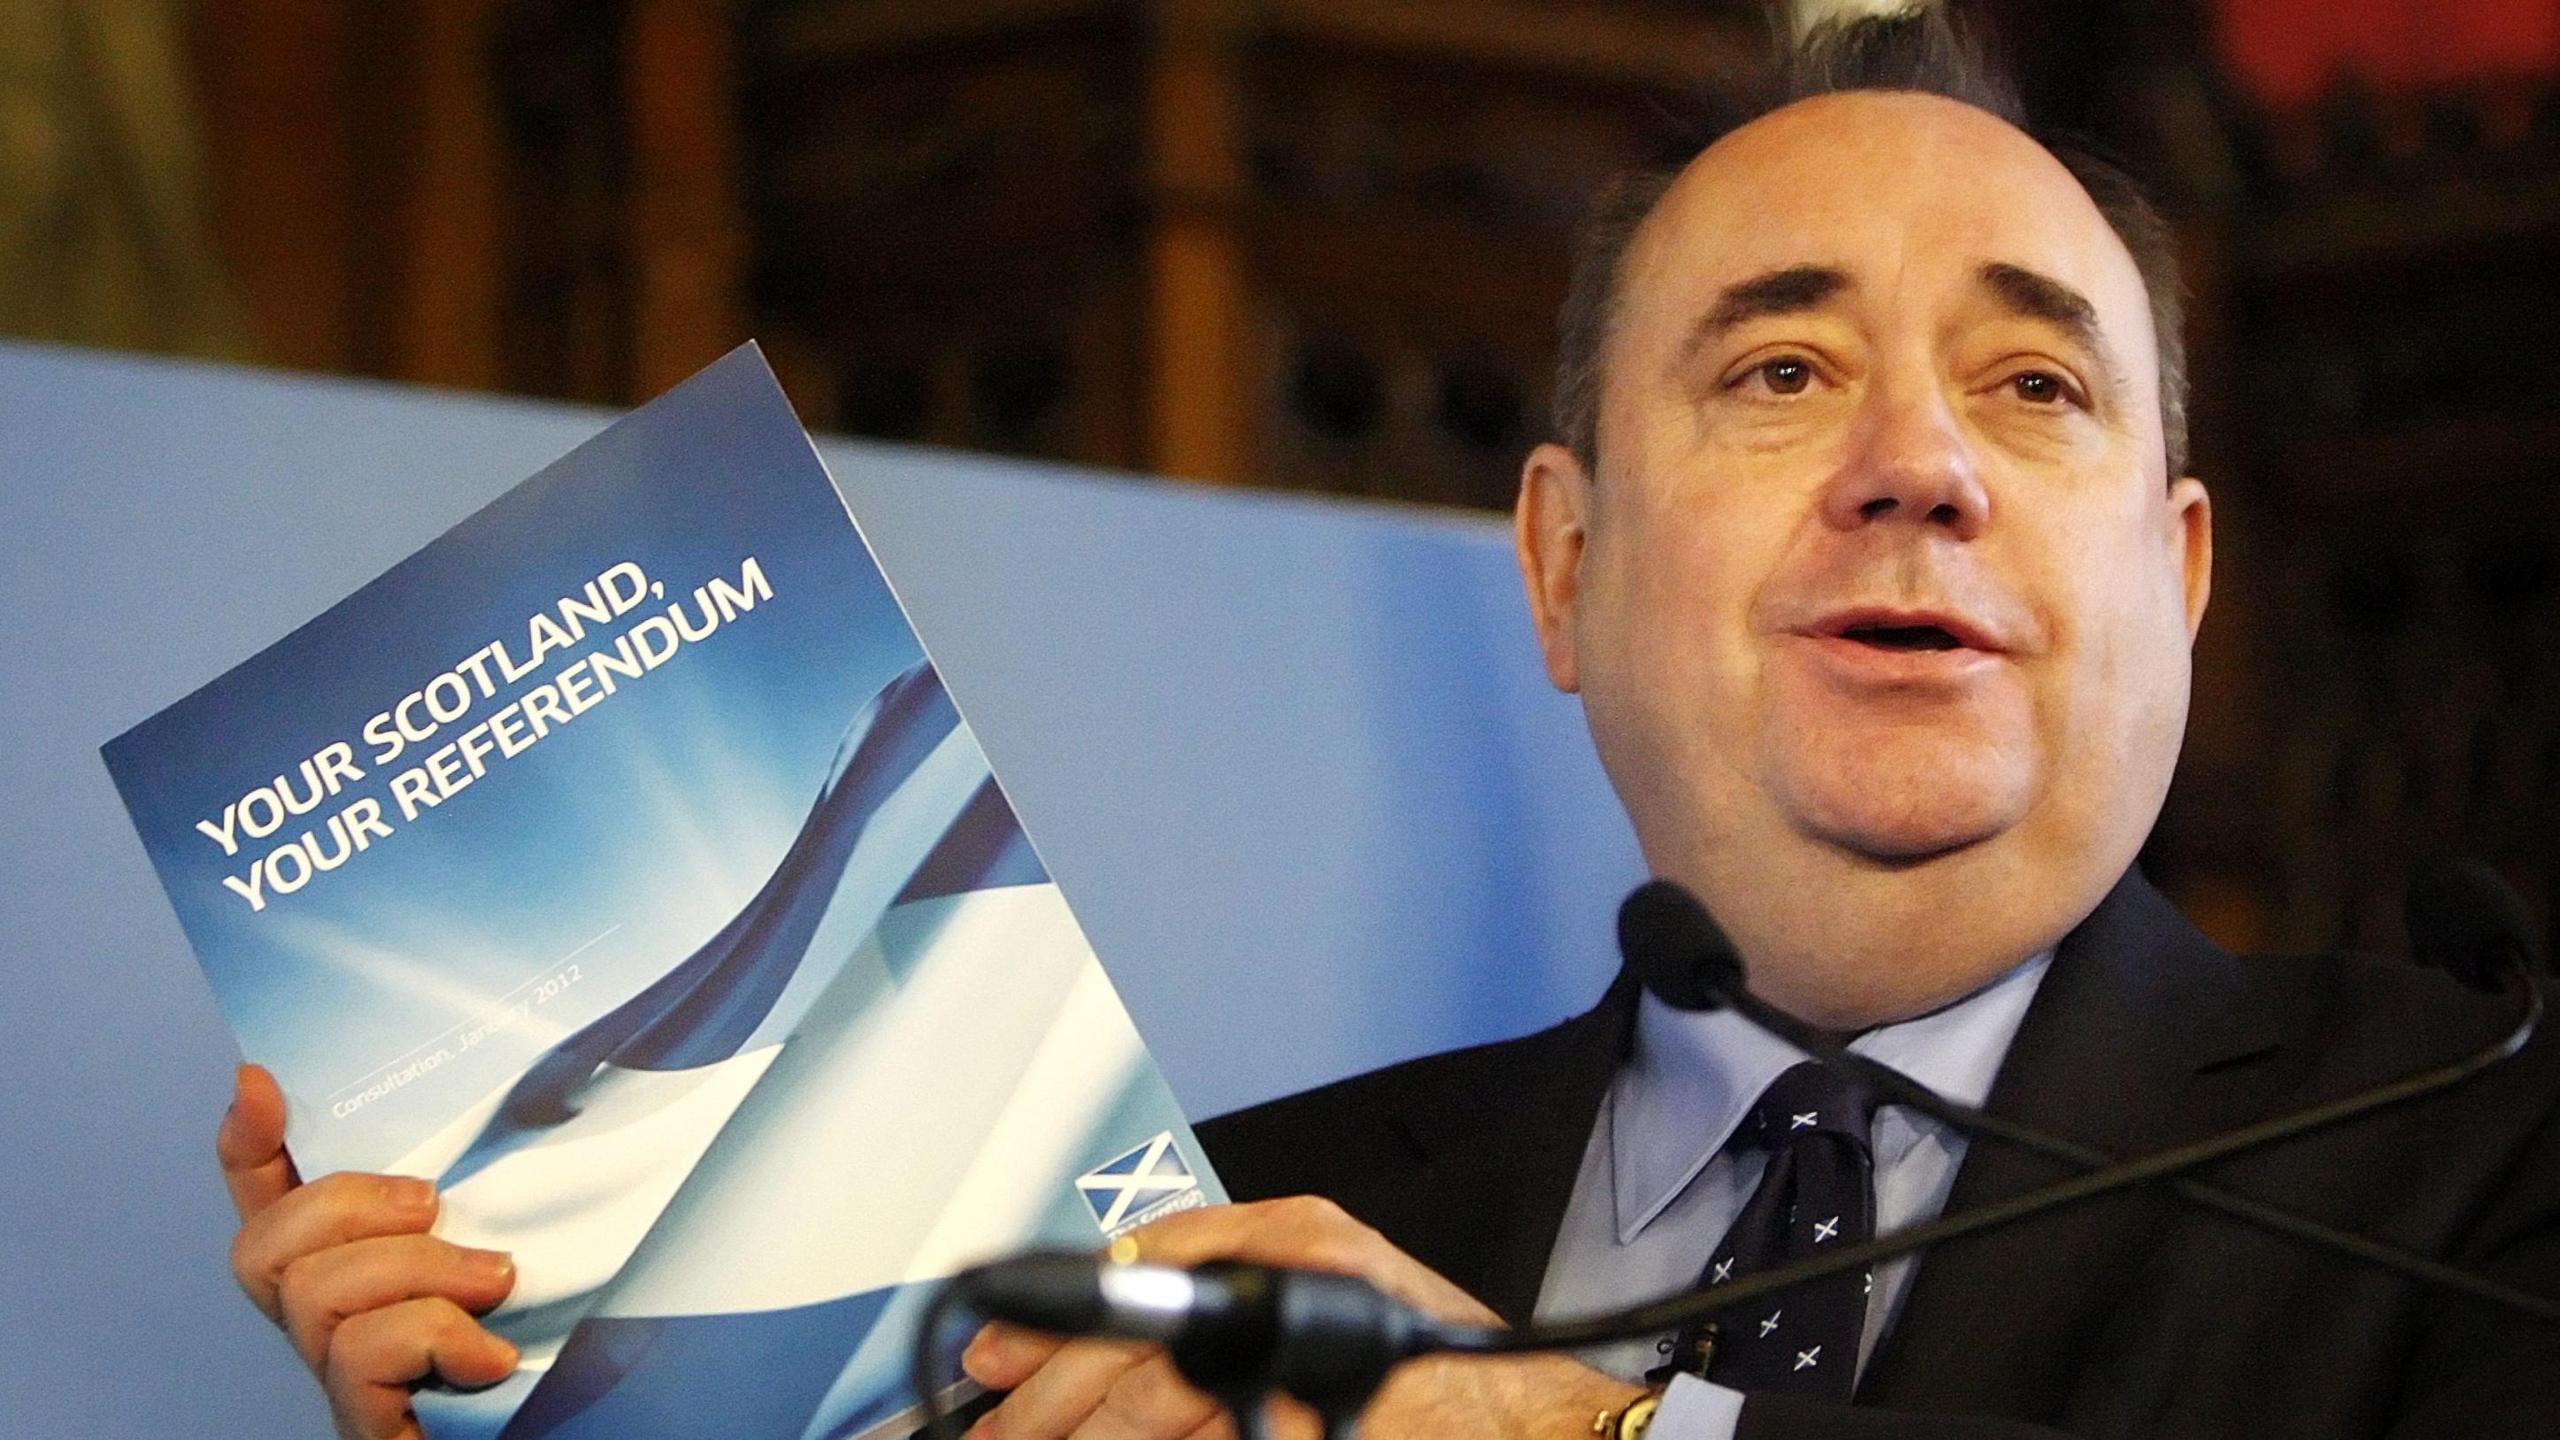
[1135, 1187]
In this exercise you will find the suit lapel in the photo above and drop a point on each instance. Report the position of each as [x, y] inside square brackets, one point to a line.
[2140, 1037]
[1501, 1142]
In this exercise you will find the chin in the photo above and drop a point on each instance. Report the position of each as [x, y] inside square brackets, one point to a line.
[1903, 799]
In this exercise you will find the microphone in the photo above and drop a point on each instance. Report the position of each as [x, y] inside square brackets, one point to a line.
[1079, 1293]
[1236, 1331]
[2470, 918]
[2465, 921]
[1677, 949]
[1224, 1322]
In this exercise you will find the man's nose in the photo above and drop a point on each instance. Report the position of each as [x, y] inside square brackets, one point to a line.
[1912, 463]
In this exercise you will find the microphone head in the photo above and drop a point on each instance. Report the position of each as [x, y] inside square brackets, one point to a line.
[2463, 919]
[1676, 948]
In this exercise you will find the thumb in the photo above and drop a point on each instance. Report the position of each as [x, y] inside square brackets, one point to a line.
[250, 1143]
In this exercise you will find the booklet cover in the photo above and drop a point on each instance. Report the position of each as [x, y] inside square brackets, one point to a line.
[619, 863]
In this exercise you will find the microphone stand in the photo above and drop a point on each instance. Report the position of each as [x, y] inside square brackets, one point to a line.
[1676, 1310]
[2101, 1176]
[1903, 1090]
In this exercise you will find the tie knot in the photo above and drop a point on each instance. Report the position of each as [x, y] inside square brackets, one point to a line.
[1812, 1098]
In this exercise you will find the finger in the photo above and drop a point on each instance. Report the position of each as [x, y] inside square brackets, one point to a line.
[1003, 1356]
[1150, 1401]
[250, 1142]
[1303, 1230]
[1059, 1396]
[331, 1210]
[1307, 1232]
[376, 1356]
[322, 1290]
[1281, 1418]
[1286, 1419]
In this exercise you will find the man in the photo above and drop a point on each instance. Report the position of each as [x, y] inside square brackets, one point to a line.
[1869, 550]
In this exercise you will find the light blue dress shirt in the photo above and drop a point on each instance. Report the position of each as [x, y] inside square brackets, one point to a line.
[1657, 1191]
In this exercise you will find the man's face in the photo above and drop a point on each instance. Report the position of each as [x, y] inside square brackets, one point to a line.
[1881, 559]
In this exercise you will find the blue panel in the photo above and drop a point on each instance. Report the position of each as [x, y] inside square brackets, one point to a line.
[1287, 757]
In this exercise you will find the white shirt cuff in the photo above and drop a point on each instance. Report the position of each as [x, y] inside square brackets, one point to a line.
[1695, 1409]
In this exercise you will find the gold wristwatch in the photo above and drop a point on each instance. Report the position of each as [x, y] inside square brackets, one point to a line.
[1630, 1423]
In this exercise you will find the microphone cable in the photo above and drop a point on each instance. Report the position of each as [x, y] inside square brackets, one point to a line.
[1684, 957]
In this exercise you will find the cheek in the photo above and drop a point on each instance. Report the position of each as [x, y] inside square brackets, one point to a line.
[2117, 611]
[1686, 584]
[1670, 659]
[1698, 523]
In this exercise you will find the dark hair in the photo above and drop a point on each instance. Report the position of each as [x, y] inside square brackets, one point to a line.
[1920, 50]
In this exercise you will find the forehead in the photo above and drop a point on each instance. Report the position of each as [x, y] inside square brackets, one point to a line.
[1909, 194]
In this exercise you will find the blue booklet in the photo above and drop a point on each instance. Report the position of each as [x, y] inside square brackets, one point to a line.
[619, 863]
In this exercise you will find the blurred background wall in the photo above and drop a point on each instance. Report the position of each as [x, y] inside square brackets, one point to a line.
[1319, 244]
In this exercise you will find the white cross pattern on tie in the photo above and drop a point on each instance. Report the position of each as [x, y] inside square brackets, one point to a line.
[1815, 1197]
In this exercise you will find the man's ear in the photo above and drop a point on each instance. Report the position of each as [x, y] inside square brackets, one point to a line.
[2191, 522]
[1548, 527]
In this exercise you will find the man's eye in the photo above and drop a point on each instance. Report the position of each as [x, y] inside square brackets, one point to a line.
[2038, 387]
[1783, 376]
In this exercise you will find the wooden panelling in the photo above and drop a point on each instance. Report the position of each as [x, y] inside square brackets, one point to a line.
[1320, 244]
[271, 89]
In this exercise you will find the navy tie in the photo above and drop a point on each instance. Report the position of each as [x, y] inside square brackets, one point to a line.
[1817, 1195]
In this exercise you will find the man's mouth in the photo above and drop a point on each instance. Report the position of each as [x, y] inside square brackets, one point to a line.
[1906, 631]
[1903, 637]
[1906, 649]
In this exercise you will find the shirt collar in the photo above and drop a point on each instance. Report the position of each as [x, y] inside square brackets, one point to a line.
[1695, 1075]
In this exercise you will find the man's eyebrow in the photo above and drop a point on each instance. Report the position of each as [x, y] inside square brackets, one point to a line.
[2041, 297]
[1789, 291]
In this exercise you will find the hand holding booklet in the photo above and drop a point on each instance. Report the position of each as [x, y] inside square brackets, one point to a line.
[619, 863]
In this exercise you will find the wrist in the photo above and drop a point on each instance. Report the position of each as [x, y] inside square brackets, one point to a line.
[1630, 1417]
[1553, 1397]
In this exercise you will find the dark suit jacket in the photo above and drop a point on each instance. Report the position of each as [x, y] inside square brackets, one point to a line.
[2125, 1316]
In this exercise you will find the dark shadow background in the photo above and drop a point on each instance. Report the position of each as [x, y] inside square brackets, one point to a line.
[1318, 244]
